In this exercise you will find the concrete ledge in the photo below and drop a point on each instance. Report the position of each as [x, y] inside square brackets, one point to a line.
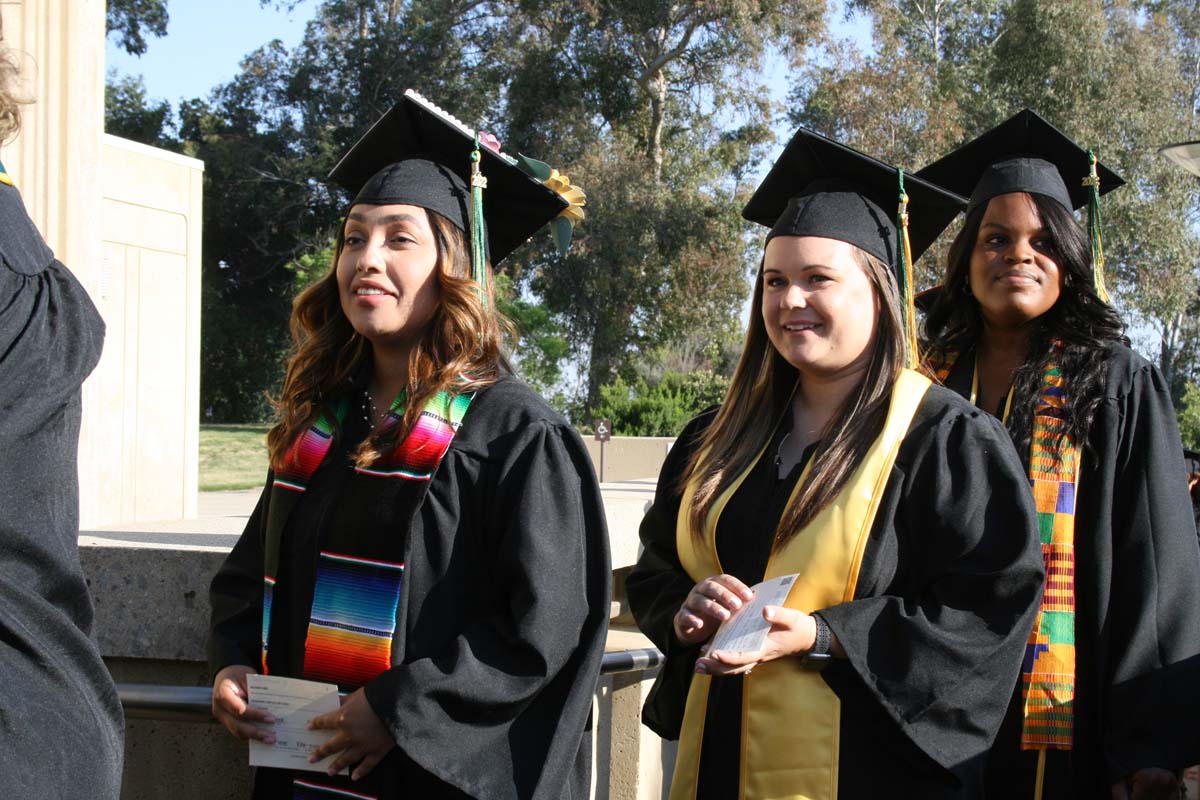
[150, 581]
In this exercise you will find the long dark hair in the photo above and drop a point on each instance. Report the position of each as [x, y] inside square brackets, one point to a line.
[759, 395]
[1080, 319]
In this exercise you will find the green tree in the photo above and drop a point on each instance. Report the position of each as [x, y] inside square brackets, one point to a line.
[131, 21]
[662, 408]
[129, 113]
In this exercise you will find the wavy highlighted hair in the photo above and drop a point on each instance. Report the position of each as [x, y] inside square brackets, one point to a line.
[10, 100]
[761, 393]
[463, 338]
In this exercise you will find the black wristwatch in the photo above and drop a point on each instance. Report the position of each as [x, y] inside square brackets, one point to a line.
[819, 653]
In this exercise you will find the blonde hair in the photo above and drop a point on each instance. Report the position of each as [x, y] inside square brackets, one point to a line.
[10, 100]
[759, 395]
[462, 339]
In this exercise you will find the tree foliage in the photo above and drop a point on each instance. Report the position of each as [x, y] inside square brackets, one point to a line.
[132, 21]
[662, 408]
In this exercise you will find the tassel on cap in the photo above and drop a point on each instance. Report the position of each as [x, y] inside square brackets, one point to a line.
[478, 230]
[1096, 228]
[905, 276]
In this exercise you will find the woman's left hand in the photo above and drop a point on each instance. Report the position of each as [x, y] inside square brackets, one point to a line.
[361, 737]
[792, 632]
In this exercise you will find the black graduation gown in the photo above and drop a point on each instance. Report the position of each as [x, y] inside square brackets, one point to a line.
[61, 726]
[1137, 597]
[948, 588]
[502, 615]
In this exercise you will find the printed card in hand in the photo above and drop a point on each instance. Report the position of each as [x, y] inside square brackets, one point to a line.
[746, 631]
[292, 702]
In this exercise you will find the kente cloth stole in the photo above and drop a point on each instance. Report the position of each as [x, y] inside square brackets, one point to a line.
[790, 717]
[4, 176]
[353, 618]
[1048, 670]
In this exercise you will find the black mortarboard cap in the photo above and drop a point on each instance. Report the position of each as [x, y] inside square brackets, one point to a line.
[1022, 154]
[819, 187]
[417, 154]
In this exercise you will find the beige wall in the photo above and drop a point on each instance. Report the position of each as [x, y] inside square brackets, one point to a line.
[140, 455]
[125, 219]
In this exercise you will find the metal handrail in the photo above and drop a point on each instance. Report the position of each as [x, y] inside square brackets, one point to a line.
[194, 703]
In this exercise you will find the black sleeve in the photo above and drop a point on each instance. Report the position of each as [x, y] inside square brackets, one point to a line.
[1153, 614]
[544, 635]
[940, 645]
[658, 585]
[236, 596]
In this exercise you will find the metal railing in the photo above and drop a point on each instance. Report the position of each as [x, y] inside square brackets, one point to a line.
[194, 703]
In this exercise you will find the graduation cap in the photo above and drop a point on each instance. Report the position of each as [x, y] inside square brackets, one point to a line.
[417, 154]
[1025, 153]
[819, 187]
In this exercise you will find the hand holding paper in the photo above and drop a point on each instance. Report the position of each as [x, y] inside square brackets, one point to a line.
[292, 703]
[762, 631]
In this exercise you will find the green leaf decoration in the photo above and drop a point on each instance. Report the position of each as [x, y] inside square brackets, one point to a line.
[562, 234]
[533, 167]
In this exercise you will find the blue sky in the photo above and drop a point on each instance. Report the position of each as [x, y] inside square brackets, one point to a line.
[205, 42]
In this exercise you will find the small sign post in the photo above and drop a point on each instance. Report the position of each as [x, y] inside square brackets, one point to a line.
[603, 434]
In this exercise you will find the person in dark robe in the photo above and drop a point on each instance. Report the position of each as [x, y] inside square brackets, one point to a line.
[61, 725]
[431, 537]
[899, 513]
[1022, 329]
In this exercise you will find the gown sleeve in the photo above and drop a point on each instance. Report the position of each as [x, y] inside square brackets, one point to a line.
[236, 595]
[948, 591]
[1153, 613]
[658, 585]
[543, 635]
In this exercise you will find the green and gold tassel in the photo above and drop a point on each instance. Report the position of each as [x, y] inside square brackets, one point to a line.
[478, 230]
[905, 276]
[1096, 228]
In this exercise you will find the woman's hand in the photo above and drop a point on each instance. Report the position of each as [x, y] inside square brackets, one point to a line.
[792, 632]
[709, 603]
[1150, 783]
[230, 708]
[361, 737]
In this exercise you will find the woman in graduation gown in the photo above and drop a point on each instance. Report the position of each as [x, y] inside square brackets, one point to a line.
[1022, 328]
[61, 726]
[431, 537]
[903, 510]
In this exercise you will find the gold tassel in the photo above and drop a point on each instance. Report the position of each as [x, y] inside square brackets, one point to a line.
[906, 281]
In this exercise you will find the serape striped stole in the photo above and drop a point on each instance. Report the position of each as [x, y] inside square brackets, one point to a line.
[356, 594]
[1048, 670]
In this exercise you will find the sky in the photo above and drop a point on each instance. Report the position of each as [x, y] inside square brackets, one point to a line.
[205, 42]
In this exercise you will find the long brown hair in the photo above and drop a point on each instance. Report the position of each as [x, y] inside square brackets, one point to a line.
[760, 394]
[462, 339]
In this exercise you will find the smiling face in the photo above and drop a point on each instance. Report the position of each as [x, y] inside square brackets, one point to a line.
[818, 306]
[387, 273]
[1014, 273]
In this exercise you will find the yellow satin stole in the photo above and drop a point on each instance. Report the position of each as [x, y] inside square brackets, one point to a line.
[790, 717]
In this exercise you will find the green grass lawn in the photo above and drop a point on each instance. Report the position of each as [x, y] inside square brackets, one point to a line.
[232, 457]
